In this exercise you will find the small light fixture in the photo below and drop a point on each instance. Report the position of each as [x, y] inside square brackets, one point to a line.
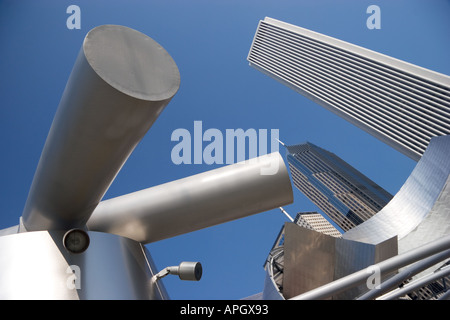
[76, 241]
[185, 271]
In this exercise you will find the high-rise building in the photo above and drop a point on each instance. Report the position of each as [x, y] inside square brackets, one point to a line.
[315, 221]
[399, 103]
[341, 192]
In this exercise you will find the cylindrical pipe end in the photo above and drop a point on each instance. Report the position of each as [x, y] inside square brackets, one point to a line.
[121, 82]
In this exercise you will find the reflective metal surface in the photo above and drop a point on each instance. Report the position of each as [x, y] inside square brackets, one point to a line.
[313, 259]
[120, 83]
[35, 265]
[418, 213]
[309, 260]
[203, 200]
[435, 225]
[394, 281]
[384, 268]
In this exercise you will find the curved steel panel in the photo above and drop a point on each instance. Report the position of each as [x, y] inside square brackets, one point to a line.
[120, 83]
[414, 201]
[434, 226]
[35, 265]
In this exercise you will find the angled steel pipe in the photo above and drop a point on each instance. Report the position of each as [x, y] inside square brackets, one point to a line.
[120, 83]
[203, 200]
[445, 296]
[416, 284]
[385, 267]
[393, 282]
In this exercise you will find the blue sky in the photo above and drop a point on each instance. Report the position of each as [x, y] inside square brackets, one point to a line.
[209, 41]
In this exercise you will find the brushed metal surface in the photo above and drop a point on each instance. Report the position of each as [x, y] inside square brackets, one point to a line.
[35, 265]
[309, 260]
[120, 83]
[413, 203]
[203, 200]
[313, 259]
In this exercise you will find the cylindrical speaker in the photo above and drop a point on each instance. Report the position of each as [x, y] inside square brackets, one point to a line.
[121, 82]
[196, 202]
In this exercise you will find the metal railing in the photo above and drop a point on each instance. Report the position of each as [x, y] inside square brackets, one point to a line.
[420, 259]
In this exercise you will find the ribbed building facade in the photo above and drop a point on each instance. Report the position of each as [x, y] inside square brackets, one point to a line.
[399, 103]
[315, 221]
[340, 191]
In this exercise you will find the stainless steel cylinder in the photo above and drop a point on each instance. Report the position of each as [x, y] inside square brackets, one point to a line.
[196, 202]
[120, 83]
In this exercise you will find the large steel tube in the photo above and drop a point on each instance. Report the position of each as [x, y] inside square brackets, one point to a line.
[203, 200]
[120, 83]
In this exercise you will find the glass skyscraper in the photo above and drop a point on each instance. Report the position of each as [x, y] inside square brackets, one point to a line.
[340, 191]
